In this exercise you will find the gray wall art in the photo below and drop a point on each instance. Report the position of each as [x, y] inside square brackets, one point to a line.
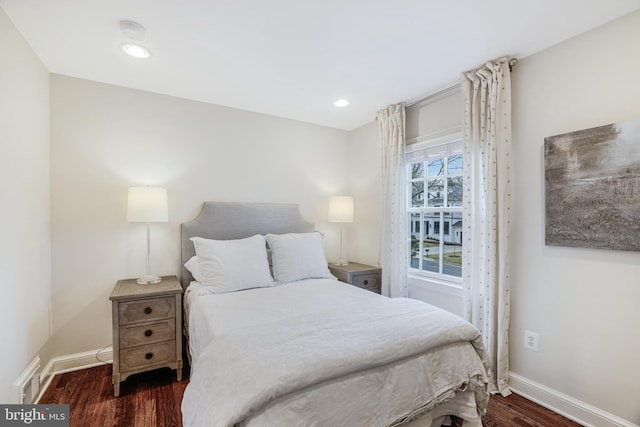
[592, 187]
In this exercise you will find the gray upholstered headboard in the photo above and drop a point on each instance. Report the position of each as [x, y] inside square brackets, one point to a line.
[226, 221]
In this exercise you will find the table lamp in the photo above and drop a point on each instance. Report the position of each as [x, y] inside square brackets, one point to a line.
[341, 210]
[147, 204]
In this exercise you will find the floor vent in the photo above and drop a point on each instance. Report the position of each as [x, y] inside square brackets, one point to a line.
[28, 383]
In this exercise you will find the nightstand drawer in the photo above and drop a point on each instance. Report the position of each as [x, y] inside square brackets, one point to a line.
[146, 310]
[360, 275]
[367, 281]
[147, 333]
[148, 355]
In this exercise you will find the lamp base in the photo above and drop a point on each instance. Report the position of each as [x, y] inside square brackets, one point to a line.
[149, 280]
[341, 262]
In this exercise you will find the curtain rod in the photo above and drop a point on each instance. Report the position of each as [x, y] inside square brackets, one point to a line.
[432, 94]
[512, 63]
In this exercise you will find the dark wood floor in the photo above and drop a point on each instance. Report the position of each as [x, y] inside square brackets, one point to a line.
[153, 400]
[515, 410]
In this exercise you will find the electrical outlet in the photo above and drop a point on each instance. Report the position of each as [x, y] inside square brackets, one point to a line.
[531, 340]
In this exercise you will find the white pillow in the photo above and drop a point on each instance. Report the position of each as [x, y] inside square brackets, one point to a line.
[233, 265]
[298, 256]
[194, 268]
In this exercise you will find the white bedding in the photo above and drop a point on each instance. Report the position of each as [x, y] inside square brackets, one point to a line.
[317, 353]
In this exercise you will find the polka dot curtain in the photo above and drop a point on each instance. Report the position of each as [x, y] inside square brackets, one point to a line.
[486, 210]
[393, 244]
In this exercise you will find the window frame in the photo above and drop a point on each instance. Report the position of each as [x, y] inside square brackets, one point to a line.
[442, 220]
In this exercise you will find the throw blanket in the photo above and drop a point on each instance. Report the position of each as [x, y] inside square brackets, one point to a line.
[240, 371]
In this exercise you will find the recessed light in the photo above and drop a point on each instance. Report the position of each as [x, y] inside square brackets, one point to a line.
[341, 103]
[135, 50]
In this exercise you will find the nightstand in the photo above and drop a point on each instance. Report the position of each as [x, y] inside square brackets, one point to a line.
[147, 328]
[360, 275]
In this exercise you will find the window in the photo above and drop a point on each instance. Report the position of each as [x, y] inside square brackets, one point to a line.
[434, 172]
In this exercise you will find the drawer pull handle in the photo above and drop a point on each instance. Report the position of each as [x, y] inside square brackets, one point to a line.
[148, 333]
[366, 282]
[147, 310]
[148, 356]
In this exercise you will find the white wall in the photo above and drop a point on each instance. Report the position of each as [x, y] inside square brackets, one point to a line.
[436, 116]
[25, 252]
[363, 235]
[582, 302]
[106, 138]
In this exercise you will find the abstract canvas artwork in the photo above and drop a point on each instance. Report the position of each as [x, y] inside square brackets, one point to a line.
[592, 187]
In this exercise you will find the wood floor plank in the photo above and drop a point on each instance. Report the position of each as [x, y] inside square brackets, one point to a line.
[153, 399]
[515, 410]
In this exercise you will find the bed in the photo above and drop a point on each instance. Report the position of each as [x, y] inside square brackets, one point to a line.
[303, 349]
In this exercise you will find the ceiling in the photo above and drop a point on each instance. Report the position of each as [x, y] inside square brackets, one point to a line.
[293, 58]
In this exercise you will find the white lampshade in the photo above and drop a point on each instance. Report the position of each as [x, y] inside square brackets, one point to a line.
[341, 209]
[147, 204]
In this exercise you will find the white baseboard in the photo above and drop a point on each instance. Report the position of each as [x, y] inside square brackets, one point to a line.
[73, 362]
[574, 409]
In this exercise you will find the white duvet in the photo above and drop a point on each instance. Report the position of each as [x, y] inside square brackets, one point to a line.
[320, 352]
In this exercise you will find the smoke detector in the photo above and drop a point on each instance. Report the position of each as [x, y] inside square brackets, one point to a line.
[132, 30]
